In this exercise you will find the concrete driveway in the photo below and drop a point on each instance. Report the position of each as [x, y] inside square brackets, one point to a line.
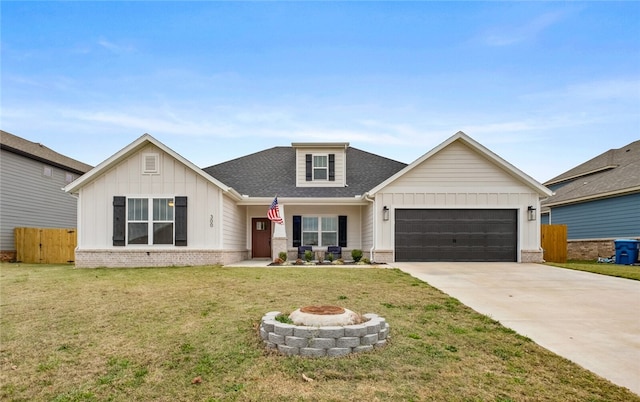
[592, 320]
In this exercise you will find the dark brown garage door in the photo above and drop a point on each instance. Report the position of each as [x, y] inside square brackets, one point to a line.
[456, 235]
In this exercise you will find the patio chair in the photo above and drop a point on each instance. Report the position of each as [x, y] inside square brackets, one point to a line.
[336, 251]
[302, 249]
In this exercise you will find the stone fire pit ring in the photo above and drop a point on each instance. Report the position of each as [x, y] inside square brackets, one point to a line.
[317, 340]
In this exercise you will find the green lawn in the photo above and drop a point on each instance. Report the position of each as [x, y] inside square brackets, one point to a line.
[145, 334]
[622, 271]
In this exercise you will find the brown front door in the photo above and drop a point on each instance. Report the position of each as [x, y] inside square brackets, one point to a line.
[260, 238]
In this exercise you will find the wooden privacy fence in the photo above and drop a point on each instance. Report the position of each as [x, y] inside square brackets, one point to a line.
[554, 242]
[45, 246]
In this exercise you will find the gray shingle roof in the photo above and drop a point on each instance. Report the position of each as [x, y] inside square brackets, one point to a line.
[613, 171]
[272, 171]
[39, 152]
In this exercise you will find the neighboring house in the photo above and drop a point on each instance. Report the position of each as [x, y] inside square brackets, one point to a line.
[148, 206]
[31, 180]
[599, 201]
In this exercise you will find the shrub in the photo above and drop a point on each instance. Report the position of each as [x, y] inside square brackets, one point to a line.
[308, 255]
[356, 254]
[330, 257]
[283, 255]
[284, 319]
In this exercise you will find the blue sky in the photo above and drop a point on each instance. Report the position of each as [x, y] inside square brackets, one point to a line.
[545, 85]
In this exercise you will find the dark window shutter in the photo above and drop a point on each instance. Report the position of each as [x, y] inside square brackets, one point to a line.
[309, 167]
[332, 167]
[181, 221]
[342, 231]
[119, 220]
[297, 230]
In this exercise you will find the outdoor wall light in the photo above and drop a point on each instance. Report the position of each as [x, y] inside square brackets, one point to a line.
[531, 213]
[385, 213]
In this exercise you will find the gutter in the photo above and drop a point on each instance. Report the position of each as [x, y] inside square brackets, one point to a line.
[373, 243]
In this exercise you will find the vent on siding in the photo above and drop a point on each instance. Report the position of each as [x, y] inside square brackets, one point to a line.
[150, 164]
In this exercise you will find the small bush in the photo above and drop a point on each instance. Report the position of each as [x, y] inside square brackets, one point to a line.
[283, 255]
[356, 254]
[330, 257]
[308, 255]
[284, 319]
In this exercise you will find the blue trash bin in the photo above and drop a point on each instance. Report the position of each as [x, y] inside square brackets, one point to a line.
[626, 251]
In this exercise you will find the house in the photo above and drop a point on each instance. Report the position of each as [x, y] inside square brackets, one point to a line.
[31, 180]
[149, 206]
[599, 201]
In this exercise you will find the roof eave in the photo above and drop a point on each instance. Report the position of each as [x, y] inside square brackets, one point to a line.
[357, 200]
[592, 197]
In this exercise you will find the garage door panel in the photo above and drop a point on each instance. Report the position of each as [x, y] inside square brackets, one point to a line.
[456, 235]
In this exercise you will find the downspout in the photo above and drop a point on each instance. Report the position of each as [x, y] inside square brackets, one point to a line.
[373, 244]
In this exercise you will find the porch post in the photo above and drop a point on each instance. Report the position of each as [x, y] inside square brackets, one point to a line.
[279, 236]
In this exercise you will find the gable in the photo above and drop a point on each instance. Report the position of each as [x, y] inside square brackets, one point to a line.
[148, 157]
[461, 162]
[457, 167]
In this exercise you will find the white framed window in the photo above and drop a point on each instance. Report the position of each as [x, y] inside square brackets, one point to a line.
[47, 171]
[68, 177]
[147, 228]
[319, 231]
[320, 167]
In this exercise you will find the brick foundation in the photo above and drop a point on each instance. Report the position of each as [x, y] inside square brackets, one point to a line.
[155, 258]
[590, 249]
[531, 256]
[8, 255]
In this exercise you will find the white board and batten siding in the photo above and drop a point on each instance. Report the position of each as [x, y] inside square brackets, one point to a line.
[458, 177]
[127, 179]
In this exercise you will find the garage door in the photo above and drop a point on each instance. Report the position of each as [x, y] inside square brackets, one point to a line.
[456, 235]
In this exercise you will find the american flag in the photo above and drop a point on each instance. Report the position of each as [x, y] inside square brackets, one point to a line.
[274, 212]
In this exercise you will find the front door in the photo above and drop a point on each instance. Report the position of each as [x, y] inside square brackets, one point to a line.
[260, 238]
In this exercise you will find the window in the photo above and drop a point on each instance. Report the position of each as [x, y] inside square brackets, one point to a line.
[320, 167]
[319, 231]
[146, 228]
[68, 177]
[47, 171]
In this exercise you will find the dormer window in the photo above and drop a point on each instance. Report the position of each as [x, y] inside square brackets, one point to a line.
[320, 167]
[321, 164]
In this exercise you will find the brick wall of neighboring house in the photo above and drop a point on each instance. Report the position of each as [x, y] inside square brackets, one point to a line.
[8, 256]
[590, 249]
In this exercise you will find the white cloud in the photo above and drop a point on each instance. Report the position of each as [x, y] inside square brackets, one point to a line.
[114, 47]
[602, 90]
[506, 36]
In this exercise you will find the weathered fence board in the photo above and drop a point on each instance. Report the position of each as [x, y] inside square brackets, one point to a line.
[554, 242]
[45, 246]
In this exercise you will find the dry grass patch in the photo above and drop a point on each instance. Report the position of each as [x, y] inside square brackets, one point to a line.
[146, 334]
